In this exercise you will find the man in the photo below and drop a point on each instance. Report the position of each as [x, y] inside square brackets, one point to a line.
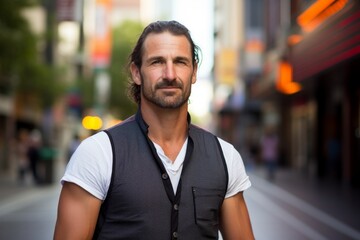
[155, 175]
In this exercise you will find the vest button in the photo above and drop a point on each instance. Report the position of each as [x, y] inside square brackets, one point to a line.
[176, 207]
[175, 235]
[164, 176]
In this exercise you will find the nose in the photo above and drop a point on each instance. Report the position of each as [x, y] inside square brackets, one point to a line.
[169, 71]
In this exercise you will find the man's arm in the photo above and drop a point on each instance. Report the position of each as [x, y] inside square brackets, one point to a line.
[235, 221]
[77, 213]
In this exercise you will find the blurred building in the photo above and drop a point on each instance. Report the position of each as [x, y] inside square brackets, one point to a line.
[71, 27]
[19, 112]
[238, 63]
[228, 84]
[299, 63]
[325, 62]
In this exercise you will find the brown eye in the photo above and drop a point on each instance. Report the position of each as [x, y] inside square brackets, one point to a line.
[156, 62]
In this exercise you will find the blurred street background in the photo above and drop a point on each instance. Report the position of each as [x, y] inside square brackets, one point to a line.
[279, 79]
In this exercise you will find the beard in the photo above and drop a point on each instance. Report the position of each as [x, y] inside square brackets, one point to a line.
[170, 100]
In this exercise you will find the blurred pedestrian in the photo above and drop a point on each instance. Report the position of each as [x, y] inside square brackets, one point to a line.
[74, 144]
[33, 154]
[156, 175]
[270, 151]
[22, 146]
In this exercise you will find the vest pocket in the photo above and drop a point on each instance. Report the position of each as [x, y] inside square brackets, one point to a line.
[207, 204]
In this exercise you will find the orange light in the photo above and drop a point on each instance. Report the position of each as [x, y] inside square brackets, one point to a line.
[313, 11]
[254, 45]
[285, 82]
[318, 12]
[294, 39]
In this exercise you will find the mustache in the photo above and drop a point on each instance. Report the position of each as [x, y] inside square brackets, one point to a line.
[169, 83]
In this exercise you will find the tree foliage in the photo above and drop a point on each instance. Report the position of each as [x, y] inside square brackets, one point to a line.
[22, 70]
[124, 39]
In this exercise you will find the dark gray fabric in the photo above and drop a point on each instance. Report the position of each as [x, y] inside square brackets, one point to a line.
[149, 209]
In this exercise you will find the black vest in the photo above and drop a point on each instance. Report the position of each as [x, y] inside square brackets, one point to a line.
[141, 203]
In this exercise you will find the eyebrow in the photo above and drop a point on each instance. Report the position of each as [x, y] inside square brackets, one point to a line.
[186, 59]
[179, 58]
[154, 58]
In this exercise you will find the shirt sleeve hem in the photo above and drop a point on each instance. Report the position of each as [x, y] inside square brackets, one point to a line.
[246, 185]
[80, 183]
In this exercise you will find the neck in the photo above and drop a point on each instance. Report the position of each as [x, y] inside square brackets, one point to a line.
[167, 127]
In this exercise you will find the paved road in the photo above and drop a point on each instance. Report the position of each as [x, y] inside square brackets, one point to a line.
[275, 214]
[30, 215]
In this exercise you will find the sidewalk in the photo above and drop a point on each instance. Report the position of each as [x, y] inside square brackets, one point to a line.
[11, 188]
[338, 201]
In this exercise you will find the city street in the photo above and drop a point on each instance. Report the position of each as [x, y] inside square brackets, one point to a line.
[29, 215]
[278, 80]
[275, 214]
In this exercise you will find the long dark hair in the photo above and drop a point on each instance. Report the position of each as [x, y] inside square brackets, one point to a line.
[135, 57]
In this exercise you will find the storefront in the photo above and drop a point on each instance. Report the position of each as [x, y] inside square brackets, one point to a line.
[326, 111]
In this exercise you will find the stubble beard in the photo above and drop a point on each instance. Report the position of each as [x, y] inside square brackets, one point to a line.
[165, 100]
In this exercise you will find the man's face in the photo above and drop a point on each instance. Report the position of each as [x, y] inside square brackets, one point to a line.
[167, 71]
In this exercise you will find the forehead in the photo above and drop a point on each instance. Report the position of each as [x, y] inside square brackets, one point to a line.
[166, 43]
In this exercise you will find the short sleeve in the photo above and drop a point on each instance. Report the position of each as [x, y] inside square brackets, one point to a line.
[238, 179]
[91, 164]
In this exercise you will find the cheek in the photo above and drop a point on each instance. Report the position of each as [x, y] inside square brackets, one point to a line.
[146, 81]
[185, 74]
[151, 75]
[155, 74]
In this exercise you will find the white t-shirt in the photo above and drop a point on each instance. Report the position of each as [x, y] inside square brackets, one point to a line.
[90, 166]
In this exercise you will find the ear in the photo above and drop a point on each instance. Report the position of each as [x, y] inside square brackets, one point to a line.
[194, 75]
[135, 73]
